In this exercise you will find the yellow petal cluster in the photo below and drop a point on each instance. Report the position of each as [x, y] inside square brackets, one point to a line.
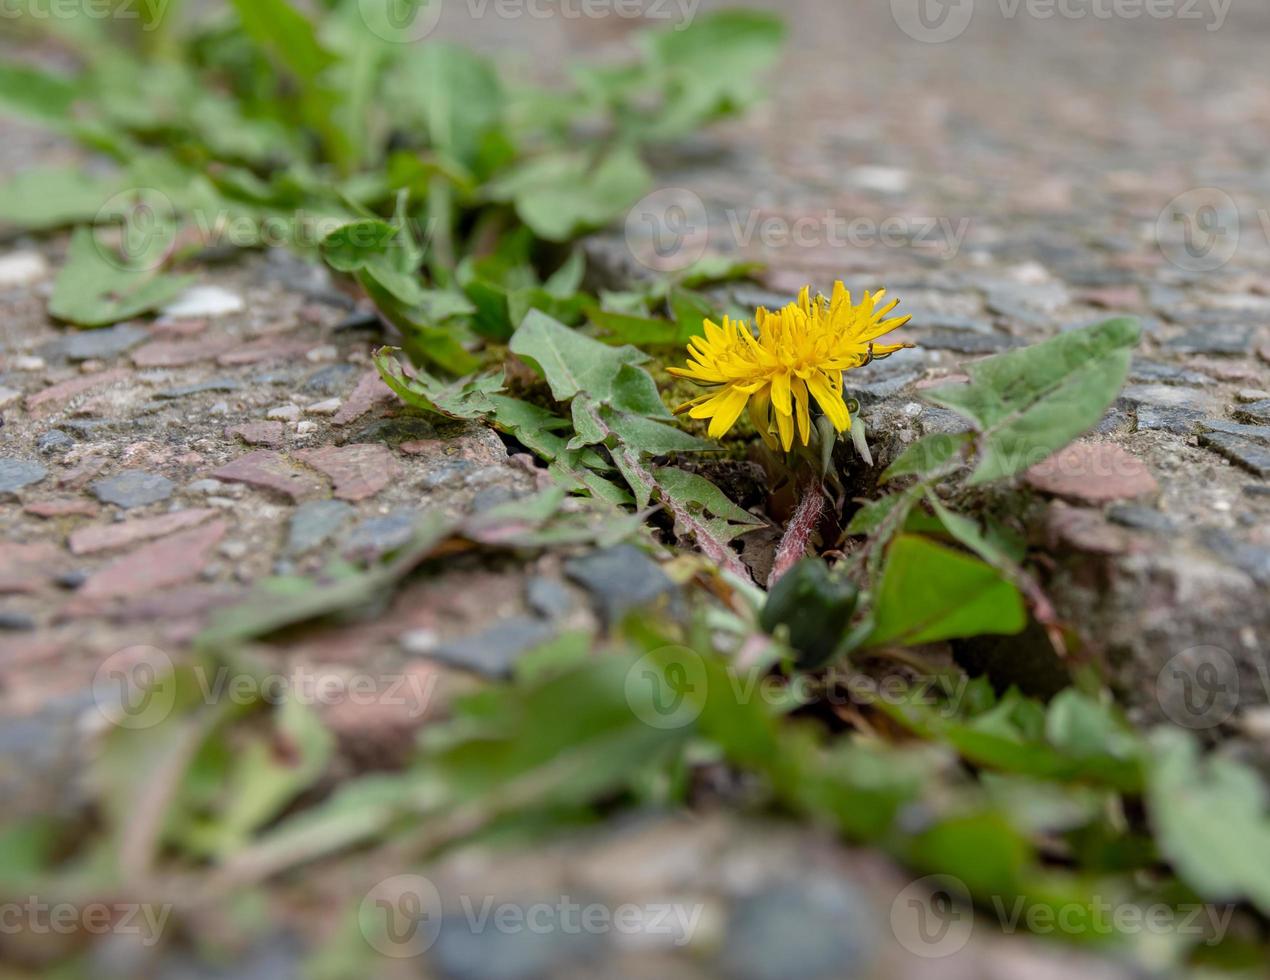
[799, 354]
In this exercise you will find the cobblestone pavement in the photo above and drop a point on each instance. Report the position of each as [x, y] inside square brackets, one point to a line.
[1022, 176]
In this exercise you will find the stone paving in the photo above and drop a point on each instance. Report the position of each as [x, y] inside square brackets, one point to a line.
[1030, 171]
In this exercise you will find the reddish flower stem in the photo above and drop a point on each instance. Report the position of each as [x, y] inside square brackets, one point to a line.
[798, 532]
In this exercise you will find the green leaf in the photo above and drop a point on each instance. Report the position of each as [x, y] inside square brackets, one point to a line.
[928, 455]
[573, 363]
[54, 197]
[930, 592]
[1032, 402]
[1210, 820]
[465, 399]
[457, 95]
[816, 606]
[38, 95]
[563, 194]
[95, 290]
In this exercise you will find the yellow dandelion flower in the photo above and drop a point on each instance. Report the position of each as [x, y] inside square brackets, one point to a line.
[799, 354]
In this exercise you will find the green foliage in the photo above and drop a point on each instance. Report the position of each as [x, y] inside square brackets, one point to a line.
[929, 592]
[815, 606]
[1030, 403]
[97, 288]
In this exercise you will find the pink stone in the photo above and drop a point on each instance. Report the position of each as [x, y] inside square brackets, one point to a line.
[264, 349]
[1093, 473]
[357, 471]
[101, 537]
[26, 567]
[272, 471]
[66, 390]
[258, 433]
[370, 391]
[177, 353]
[170, 561]
[63, 508]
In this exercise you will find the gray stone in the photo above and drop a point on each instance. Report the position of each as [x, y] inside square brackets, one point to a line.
[493, 652]
[377, 535]
[1255, 413]
[15, 621]
[1253, 457]
[1154, 418]
[1250, 558]
[18, 473]
[872, 392]
[1156, 372]
[42, 756]
[132, 488]
[1255, 433]
[964, 342]
[934, 419]
[216, 384]
[445, 472]
[54, 441]
[1218, 337]
[619, 579]
[314, 523]
[332, 380]
[393, 431]
[1140, 518]
[110, 342]
[548, 598]
[816, 929]
[1170, 396]
[464, 951]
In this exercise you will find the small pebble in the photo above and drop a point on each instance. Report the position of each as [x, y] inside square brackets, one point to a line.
[1246, 395]
[54, 441]
[305, 427]
[328, 407]
[72, 579]
[327, 352]
[16, 621]
[234, 550]
[8, 396]
[419, 642]
[28, 362]
[284, 413]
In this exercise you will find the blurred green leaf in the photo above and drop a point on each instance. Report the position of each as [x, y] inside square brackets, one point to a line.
[930, 592]
[1029, 403]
